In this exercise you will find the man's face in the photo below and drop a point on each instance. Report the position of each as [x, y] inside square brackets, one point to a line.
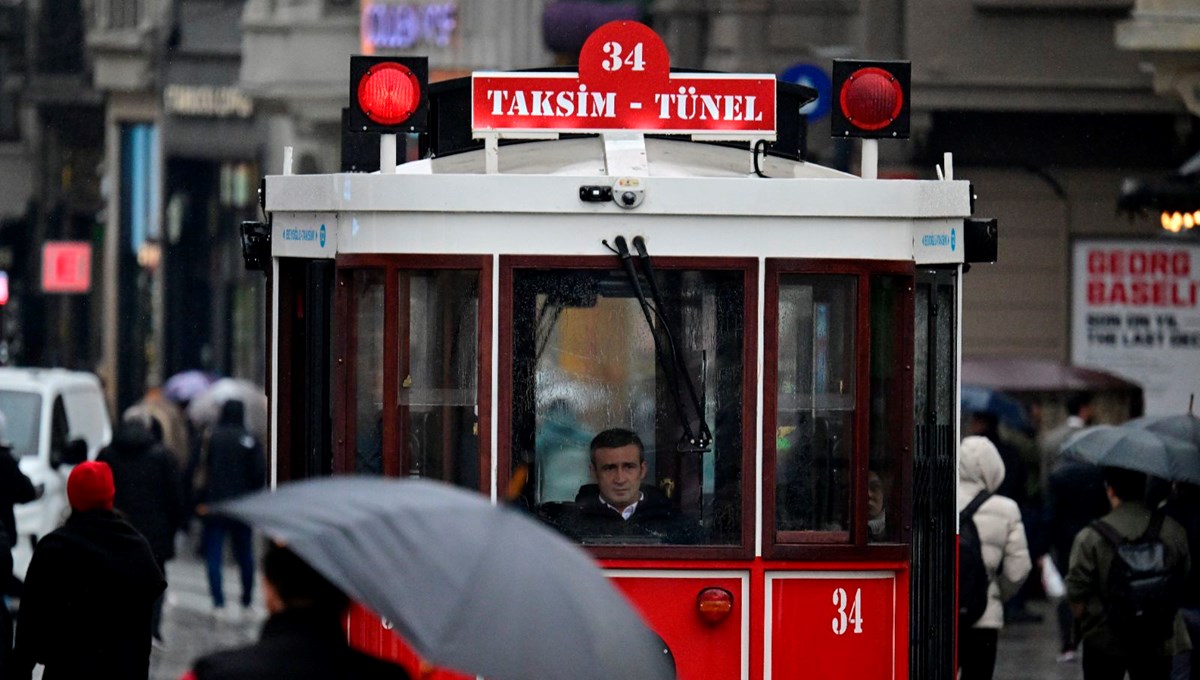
[619, 473]
[874, 495]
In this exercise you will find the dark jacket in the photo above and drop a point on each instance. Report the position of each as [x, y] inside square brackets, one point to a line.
[1088, 579]
[1184, 507]
[88, 600]
[1074, 497]
[148, 488]
[234, 463]
[15, 487]
[299, 644]
[653, 521]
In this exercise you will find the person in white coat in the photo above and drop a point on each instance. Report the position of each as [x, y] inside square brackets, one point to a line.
[1005, 552]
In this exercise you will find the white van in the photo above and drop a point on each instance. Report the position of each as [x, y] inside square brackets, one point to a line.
[52, 415]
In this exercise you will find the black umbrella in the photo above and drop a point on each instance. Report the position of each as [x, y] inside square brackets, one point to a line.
[471, 586]
[1137, 449]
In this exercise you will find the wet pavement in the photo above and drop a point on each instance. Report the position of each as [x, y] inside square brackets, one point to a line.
[1028, 651]
[189, 628]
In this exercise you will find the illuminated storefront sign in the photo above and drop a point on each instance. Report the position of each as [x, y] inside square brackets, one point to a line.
[400, 26]
[207, 100]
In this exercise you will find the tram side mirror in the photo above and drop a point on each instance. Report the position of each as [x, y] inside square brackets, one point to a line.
[256, 245]
[980, 239]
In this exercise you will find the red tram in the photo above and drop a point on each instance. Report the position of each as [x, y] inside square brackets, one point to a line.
[654, 254]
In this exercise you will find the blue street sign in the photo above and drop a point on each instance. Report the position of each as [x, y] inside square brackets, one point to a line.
[816, 78]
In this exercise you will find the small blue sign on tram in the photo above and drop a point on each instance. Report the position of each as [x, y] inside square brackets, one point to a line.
[815, 77]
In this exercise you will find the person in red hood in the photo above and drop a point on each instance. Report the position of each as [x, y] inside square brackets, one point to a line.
[89, 591]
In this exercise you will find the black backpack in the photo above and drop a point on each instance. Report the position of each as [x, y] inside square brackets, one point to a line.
[973, 578]
[1143, 594]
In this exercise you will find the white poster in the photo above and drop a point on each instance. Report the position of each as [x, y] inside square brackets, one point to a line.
[1136, 312]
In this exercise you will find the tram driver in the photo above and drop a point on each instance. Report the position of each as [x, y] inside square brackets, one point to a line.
[619, 506]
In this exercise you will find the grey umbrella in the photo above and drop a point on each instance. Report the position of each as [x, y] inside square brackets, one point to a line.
[472, 587]
[1137, 449]
[1183, 426]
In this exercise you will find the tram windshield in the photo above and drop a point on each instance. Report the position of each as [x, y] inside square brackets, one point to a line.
[585, 362]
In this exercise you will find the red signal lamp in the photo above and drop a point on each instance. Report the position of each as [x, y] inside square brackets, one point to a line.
[714, 605]
[388, 94]
[872, 99]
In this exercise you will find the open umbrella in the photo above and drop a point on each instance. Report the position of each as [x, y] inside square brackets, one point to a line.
[187, 385]
[1007, 410]
[206, 407]
[474, 587]
[1137, 449]
[1183, 426]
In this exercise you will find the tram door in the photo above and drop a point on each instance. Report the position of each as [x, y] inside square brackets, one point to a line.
[303, 436]
[934, 473]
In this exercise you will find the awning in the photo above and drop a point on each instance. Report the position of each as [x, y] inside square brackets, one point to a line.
[1019, 374]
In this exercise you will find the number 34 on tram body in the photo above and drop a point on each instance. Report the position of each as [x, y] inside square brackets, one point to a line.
[649, 254]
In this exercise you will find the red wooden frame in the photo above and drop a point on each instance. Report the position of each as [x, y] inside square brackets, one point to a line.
[344, 383]
[749, 268]
[851, 544]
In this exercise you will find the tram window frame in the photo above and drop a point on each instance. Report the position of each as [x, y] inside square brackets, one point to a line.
[344, 402]
[749, 270]
[853, 542]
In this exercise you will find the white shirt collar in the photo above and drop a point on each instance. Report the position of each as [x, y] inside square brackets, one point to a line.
[629, 510]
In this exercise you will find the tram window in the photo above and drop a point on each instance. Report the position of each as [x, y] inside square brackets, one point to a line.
[815, 403]
[368, 312]
[887, 415]
[437, 364]
[584, 361]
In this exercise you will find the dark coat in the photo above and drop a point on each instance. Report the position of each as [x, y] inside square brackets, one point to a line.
[234, 462]
[88, 601]
[297, 644]
[148, 486]
[654, 520]
[15, 487]
[1074, 497]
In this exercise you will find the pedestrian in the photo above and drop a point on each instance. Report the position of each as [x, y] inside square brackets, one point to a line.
[89, 591]
[1075, 497]
[1184, 507]
[232, 465]
[1124, 626]
[305, 636]
[1015, 487]
[15, 487]
[1079, 416]
[1005, 552]
[148, 491]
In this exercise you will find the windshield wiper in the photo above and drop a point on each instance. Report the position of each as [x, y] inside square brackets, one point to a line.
[697, 439]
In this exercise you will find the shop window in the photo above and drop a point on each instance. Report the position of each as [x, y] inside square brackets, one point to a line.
[587, 358]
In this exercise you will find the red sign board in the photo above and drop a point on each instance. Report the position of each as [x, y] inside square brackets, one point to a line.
[66, 267]
[624, 83]
[834, 627]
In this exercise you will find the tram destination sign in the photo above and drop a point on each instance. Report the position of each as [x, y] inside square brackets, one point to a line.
[624, 83]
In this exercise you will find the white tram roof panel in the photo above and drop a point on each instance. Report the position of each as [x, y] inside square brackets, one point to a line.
[680, 178]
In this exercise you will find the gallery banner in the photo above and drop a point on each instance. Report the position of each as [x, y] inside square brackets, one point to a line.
[1136, 312]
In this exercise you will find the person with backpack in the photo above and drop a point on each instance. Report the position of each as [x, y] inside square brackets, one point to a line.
[1125, 585]
[993, 555]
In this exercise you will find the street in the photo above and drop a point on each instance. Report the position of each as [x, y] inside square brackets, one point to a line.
[189, 629]
[1027, 651]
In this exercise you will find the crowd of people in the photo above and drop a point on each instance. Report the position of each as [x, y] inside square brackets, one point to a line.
[128, 508]
[1109, 546]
